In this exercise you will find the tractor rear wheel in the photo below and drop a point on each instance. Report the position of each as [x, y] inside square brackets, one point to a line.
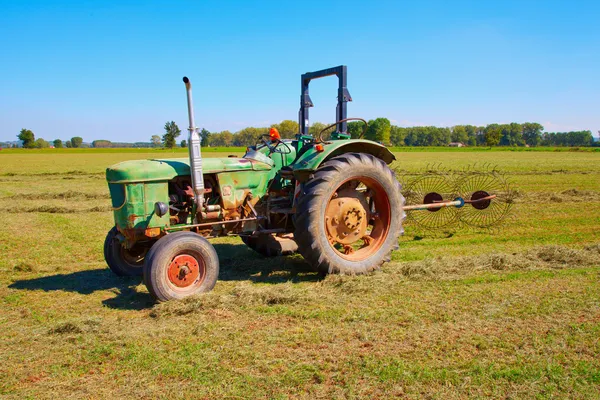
[271, 246]
[179, 265]
[122, 261]
[350, 215]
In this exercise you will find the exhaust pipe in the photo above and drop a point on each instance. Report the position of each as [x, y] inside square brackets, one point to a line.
[194, 149]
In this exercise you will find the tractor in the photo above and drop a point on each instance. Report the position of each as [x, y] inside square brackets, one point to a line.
[334, 200]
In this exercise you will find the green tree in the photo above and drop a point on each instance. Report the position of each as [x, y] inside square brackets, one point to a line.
[68, 144]
[27, 137]
[379, 130]
[221, 139]
[459, 134]
[287, 128]
[512, 134]
[493, 134]
[355, 129]
[471, 135]
[249, 136]
[183, 143]
[204, 137]
[532, 133]
[102, 143]
[76, 141]
[397, 135]
[58, 143]
[315, 128]
[155, 140]
[172, 131]
[41, 144]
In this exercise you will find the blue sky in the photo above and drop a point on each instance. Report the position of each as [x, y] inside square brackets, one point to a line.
[112, 69]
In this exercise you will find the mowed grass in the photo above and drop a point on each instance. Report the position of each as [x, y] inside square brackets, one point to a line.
[508, 313]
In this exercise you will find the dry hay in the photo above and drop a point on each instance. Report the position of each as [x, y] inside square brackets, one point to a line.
[243, 294]
[544, 257]
[335, 287]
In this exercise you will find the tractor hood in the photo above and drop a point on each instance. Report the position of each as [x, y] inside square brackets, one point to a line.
[162, 170]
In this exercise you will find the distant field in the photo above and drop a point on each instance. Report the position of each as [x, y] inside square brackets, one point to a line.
[513, 313]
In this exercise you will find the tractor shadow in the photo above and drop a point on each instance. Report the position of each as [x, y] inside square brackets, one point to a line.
[237, 263]
[90, 281]
[240, 263]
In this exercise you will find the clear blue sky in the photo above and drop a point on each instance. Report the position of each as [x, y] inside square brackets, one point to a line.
[112, 69]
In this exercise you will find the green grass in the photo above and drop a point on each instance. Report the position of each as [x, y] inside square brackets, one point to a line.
[509, 313]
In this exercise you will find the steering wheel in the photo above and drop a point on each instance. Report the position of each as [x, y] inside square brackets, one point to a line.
[268, 141]
[272, 145]
[319, 139]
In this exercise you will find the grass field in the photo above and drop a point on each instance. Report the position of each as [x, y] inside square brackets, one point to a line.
[513, 313]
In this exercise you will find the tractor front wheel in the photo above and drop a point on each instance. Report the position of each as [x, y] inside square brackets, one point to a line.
[350, 215]
[180, 264]
[122, 261]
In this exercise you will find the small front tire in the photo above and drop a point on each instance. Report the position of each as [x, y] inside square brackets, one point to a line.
[122, 261]
[179, 265]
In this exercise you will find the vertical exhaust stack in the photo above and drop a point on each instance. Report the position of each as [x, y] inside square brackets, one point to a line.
[194, 149]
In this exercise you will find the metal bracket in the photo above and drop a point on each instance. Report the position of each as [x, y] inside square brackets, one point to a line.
[341, 111]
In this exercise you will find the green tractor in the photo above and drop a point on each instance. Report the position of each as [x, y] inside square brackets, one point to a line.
[334, 201]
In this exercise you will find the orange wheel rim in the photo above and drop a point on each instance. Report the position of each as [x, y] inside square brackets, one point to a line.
[185, 271]
[357, 218]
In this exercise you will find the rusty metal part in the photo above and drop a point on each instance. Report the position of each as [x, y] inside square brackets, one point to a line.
[183, 227]
[458, 203]
[185, 270]
[212, 215]
[346, 216]
[357, 218]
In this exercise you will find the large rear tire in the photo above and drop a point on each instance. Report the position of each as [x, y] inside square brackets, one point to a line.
[350, 215]
[179, 265]
[122, 261]
[271, 246]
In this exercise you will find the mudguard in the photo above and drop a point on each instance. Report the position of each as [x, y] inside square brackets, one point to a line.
[310, 160]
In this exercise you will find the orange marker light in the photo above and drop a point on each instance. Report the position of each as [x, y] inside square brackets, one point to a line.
[274, 134]
[152, 232]
[319, 147]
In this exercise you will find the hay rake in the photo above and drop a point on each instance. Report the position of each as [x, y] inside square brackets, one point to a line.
[440, 198]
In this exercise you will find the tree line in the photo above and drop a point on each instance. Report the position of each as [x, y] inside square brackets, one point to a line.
[27, 137]
[380, 130]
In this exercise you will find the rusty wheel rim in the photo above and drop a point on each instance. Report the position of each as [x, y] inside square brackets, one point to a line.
[185, 271]
[357, 218]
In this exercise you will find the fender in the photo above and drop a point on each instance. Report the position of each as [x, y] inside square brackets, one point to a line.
[308, 162]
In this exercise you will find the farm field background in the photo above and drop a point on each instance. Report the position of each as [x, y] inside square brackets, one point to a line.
[510, 313]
